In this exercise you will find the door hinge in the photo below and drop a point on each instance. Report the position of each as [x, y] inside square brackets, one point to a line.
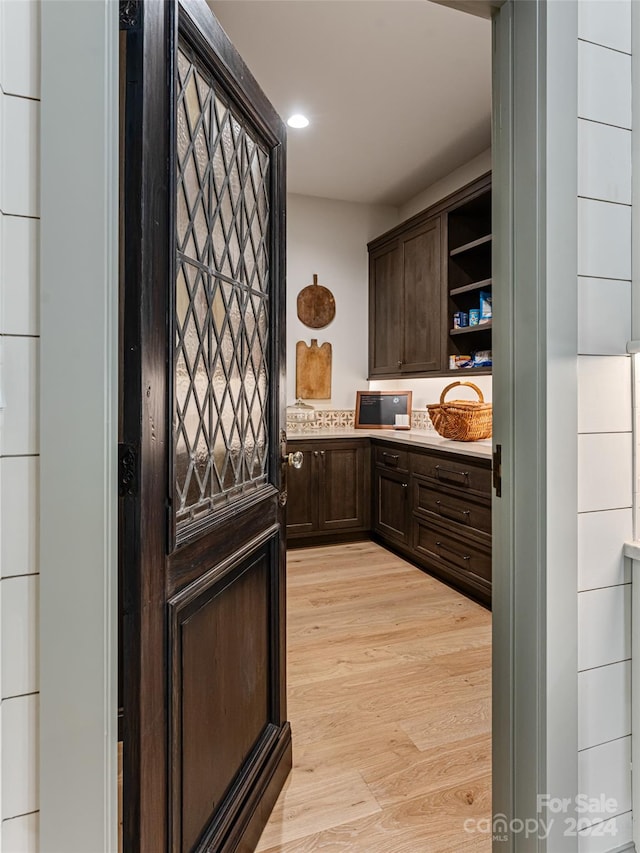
[497, 470]
[130, 14]
[127, 470]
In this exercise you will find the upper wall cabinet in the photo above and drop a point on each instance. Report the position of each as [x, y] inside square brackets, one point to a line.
[421, 274]
[405, 300]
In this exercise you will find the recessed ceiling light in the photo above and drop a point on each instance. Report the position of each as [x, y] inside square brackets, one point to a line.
[298, 120]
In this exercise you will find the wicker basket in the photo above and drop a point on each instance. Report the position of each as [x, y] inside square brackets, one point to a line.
[462, 420]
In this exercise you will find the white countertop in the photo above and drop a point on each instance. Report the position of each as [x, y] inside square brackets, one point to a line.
[413, 437]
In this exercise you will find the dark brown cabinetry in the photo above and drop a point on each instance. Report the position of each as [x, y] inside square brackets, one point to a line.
[420, 274]
[435, 508]
[405, 302]
[329, 496]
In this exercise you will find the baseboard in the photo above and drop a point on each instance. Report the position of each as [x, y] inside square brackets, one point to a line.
[313, 540]
[626, 848]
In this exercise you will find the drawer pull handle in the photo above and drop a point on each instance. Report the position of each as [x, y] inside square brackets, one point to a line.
[443, 509]
[392, 456]
[451, 551]
[449, 471]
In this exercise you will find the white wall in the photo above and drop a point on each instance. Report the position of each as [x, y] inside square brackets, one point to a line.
[466, 173]
[19, 440]
[604, 410]
[330, 238]
[428, 390]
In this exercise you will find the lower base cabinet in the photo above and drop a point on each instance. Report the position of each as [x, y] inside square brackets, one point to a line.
[435, 509]
[329, 497]
[432, 507]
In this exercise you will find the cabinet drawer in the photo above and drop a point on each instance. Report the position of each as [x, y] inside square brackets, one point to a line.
[434, 543]
[453, 472]
[391, 457]
[450, 507]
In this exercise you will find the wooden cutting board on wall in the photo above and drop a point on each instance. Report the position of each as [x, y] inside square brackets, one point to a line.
[313, 370]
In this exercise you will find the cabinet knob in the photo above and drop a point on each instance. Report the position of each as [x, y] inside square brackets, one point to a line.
[399, 363]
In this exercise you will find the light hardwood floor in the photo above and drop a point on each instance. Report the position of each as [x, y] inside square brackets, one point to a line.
[389, 677]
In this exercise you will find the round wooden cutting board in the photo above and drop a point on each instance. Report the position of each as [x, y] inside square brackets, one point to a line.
[316, 305]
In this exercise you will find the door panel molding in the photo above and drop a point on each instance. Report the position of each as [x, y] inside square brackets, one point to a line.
[253, 503]
[201, 601]
[230, 559]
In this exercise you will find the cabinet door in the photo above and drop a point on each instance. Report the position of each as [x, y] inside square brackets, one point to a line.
[391, 507]
[422, 299]
[385, 310]
[341, 499]
[302, 490]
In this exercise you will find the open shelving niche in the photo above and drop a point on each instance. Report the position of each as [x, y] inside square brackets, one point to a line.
[469, 243]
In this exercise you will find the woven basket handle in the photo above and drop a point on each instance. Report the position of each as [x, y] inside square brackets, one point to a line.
[455, 384]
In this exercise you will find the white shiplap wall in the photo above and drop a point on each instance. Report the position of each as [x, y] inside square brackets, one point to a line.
[19, 330]
[604, 414]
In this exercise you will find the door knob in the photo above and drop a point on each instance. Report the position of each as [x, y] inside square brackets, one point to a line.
[294, 459]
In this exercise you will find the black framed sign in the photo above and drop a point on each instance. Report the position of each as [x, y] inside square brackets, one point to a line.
[378, 409]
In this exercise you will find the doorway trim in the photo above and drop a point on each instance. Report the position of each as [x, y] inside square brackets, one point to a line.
[78, 426]
[536, 605]
[535, 662]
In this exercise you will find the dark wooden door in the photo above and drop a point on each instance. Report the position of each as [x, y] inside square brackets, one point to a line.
[206, 742]
[422, 300]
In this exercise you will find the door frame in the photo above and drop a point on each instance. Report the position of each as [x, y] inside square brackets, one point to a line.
[535, 614]
[535, 624]
[78, 426]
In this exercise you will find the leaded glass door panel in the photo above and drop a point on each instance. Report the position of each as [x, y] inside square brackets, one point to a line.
[222, 300]
[206, 742]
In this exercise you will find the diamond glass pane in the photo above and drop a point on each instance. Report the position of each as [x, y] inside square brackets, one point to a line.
[220, 434]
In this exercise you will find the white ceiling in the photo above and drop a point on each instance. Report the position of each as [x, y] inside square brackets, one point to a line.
[398, 92]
